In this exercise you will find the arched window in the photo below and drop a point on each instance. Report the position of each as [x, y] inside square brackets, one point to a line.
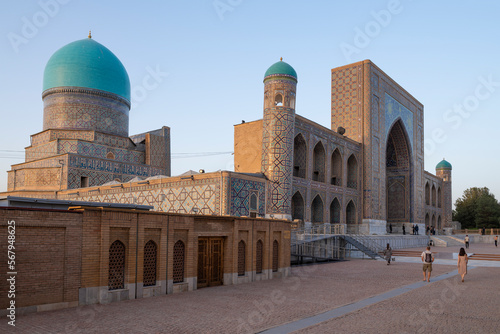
[179, 255]
[439, 197]
[335, 211]
[317, 210]
[427, 220]
[439, 227]
[318, 163]
[350, 213]
[116, 277]
[259, 261]
[336, 179]
[110, 156]
[253, 202]
[299, 156]
[149, 272]
[433, 195]
[433, 221]
[427, 194]
[278, 100]
[297, 206]
[276, 257]
[352, 172]
[241, 258]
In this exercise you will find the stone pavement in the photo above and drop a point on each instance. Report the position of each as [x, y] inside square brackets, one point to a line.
[376, 298]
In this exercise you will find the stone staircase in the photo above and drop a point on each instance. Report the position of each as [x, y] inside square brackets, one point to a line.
[486, 257]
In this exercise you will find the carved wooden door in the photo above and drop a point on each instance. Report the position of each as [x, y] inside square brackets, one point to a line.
[210, 261]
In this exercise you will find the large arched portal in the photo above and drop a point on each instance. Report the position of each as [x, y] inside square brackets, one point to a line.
[398, 175]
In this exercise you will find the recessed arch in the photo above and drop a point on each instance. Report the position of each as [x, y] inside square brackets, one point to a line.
[433, 195]
[299, 156]
[439, 227]
[149, 267]
[335, 211]
[298, 206]
[350, 213]
[179, 259]
[278, 100]
[317, 210]
[433, 221]
[399, 178]
[318, 173]
[439, 202]
[116, 267]
[427, 194]
[276, 255]
[427, 220]
[241, 258]
[336, 169]
[352, 172]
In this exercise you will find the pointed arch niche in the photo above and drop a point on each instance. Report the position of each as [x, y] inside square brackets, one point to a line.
[399, 181]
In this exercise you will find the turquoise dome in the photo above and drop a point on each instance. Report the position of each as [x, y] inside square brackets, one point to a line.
[443, 165]
[86, 63]
[281, 68]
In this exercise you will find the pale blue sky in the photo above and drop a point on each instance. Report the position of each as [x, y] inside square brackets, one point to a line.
[216, 52]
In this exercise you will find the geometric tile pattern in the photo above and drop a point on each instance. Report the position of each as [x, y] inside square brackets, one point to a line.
[85, 109]
[277, 151]
[241, 190]
[394, 110]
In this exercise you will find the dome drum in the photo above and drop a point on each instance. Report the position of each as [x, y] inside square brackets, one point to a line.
[74, 108]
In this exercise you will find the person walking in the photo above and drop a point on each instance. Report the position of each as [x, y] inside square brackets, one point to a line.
[466, 240]
[496, 240]
[427, 258]
[404, 229]
[388, 254]
[390, 228]
[462, 263]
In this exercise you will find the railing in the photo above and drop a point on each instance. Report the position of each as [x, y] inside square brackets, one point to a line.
[488, 231]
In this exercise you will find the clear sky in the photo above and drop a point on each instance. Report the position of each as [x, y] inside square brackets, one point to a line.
[209, 58]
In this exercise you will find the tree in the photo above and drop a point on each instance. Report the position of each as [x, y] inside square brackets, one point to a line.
[477, 208]
[488, 211]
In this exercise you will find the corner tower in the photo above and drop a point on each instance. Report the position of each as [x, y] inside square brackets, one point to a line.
[443, 170]
[280, 86]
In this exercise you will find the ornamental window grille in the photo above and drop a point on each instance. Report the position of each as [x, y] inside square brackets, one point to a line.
[241, 258]
[116, 278]
[275, 255]
[259, 259]
[179, 250]
[149, 274]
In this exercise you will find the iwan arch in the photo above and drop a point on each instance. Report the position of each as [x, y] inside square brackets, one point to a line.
[365, 171]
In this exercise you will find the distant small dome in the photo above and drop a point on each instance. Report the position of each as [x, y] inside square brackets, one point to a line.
[281, 69]
[88, 64]
[443, 165]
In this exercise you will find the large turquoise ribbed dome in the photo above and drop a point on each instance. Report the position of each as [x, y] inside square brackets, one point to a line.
[281, 68]
[88, 64]
[443, 165]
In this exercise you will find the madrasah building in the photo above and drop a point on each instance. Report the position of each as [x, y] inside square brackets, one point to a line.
[365, 172]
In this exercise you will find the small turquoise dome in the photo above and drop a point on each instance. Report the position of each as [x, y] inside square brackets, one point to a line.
[281, 68]
[443, 165]
[86, 63]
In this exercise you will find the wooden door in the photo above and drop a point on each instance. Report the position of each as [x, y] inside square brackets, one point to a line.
[210, 261]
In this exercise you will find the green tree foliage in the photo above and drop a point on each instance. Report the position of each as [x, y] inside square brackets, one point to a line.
[477, 208]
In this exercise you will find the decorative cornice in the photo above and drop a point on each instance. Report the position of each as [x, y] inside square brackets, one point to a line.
[88, 91]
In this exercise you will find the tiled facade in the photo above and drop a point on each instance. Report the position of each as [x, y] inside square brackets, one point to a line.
[365, 172]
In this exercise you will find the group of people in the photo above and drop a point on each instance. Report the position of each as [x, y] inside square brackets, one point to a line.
[430, 230]
[428, 258]
[467, 241]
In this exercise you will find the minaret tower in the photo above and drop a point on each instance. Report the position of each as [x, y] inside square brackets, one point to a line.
[280, 85]
[443, 170]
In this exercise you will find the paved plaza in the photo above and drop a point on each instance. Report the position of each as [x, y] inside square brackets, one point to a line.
[357, 296]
